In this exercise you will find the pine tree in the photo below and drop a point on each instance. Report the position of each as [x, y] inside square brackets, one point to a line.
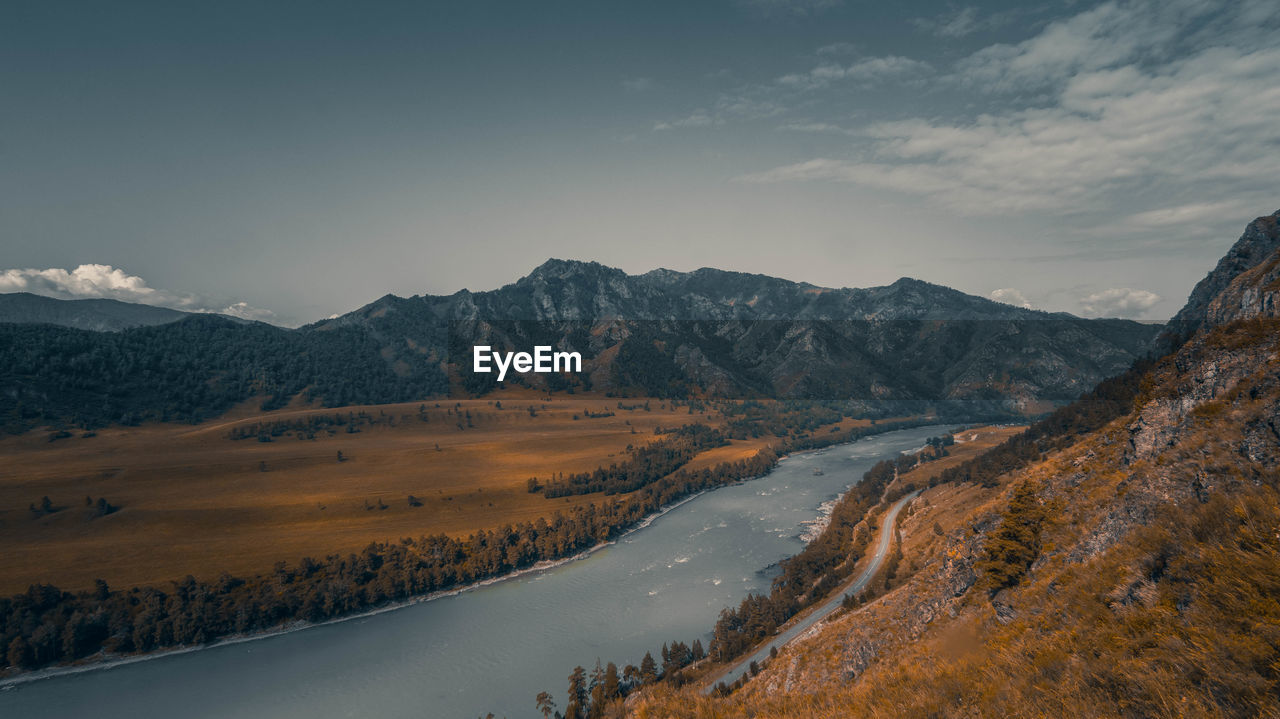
[648, 669]
[577, 706]
[546, 705]
[612, 685]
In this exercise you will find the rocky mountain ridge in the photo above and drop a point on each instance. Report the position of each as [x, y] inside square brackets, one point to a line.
[735, 334]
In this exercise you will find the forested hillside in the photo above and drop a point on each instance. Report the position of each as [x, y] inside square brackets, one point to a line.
[190, 370]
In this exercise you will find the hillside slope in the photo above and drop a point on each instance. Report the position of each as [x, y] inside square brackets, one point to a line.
[100, 315]
[1134, 571]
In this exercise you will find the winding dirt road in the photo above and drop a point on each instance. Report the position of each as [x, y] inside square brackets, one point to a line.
[883, 543]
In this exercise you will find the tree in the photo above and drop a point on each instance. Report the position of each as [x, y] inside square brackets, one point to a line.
[1015, 544]
[19, 654]
[577, 706]
[631, 675]
[598, 699]
[546, 704]
[612, 684]
[648, 669]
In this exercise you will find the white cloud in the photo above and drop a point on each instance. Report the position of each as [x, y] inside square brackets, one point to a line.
[1119, 302]
[84, 281]
[1116, 33]
[245, 311]
[743, 105]
[1011, 296]
[699, 118]
[95, 281]
[821, 127]
[1199, 212]
[960, 22]
[1132, 98]
[867, 71]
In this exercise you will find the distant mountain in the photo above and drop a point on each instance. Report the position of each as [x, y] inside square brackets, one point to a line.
[735, 334]
[707, 333]
[99, 315]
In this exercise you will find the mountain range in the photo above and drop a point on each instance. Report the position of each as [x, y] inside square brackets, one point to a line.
[707, 333]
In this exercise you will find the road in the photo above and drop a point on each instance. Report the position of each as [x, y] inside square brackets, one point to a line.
[883, 543]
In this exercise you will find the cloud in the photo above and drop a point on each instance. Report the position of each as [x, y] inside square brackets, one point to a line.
[818, 127]
[1119, 302]
[1010, 296]
[867, 71]
[699, 118]
[746, 104]
[960, 22]
[84, 281]
[1119, 33]
[245, 311]
[93, 281]
[1173, 100]
[1199, 212]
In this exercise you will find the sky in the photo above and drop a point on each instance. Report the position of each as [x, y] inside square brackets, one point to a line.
[288, 161]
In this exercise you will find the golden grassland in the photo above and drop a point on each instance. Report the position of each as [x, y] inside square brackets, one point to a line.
[194, 501]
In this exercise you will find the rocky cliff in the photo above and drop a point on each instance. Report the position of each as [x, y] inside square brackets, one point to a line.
[1258, 243]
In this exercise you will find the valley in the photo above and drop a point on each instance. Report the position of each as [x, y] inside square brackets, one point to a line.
[193, 500]
[665, 579]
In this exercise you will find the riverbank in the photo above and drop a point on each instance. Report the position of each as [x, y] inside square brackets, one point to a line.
[382, 577]
[439, 657]
[105, 662]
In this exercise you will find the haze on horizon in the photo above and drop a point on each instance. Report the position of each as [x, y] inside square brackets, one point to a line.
[289, 161]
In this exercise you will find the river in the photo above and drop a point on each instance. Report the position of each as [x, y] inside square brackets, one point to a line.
[491, 649]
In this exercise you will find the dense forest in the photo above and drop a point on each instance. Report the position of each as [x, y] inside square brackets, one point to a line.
[647, 463]
[191, 370]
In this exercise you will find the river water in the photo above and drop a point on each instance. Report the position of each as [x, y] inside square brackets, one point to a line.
[492, 649]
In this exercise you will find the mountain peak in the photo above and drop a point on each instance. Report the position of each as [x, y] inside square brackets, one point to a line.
[1260, 241]
[563, 269]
